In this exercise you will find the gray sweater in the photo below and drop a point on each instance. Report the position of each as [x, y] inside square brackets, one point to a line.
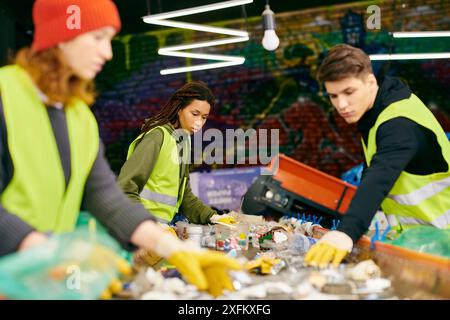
[102, 196]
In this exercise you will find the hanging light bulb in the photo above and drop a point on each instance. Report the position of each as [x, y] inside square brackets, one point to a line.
[270, 40]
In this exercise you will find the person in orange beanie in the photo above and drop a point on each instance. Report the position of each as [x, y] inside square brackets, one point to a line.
[52, 163]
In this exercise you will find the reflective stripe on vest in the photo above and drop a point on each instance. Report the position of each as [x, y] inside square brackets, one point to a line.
[419, 195]
[442, 222]
[162, 194]
[415, 199]
[158, 197]
[37, 193]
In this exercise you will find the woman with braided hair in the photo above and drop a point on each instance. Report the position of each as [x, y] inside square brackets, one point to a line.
[156, 172]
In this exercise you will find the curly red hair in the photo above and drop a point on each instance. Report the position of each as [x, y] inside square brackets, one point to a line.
[54, 77]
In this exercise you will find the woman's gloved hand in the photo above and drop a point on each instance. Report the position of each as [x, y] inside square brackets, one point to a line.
[224, 219]
[332, 248]
[206, 269]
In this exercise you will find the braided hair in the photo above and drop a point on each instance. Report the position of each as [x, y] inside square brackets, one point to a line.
[195, 90]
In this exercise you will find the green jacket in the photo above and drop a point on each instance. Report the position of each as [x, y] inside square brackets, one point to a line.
[137, 169]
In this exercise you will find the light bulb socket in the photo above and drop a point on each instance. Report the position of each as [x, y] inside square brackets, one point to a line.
[268, 19]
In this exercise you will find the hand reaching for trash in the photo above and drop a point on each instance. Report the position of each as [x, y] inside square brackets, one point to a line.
[206, 269]
[332, 248]
[223, 219]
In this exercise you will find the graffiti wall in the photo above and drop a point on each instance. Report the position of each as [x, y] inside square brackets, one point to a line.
[276, 90]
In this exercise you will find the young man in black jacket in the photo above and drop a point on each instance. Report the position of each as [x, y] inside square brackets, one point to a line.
[406, 150]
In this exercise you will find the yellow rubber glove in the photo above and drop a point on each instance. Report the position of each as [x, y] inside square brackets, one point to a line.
[124, 267]
[106, 294]
[223, 219]
[332, 248]
[218, 280]
[115, 286]
[264, 264]
[205, 269]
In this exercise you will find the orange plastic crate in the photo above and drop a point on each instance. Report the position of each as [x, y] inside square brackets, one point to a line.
[313, 184]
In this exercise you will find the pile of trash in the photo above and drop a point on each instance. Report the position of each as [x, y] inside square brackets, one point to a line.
[272, 254]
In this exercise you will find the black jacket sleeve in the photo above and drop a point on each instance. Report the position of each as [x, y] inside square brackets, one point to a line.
[397, 144]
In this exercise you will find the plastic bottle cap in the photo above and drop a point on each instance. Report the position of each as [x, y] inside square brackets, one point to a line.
[194, 230]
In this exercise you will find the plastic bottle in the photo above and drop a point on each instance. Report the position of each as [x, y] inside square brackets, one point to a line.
[195, 234]
[301, 243]
[243, 241]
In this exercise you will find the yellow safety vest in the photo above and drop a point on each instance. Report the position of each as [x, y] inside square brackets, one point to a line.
[162, 194]
[415, 199]
[37, 192]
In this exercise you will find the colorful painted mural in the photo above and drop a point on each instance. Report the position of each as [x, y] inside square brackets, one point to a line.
[276, 90]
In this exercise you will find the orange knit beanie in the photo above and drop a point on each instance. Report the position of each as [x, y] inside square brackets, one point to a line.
[62, 20]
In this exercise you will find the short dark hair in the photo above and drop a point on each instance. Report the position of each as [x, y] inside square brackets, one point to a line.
[344, 61]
